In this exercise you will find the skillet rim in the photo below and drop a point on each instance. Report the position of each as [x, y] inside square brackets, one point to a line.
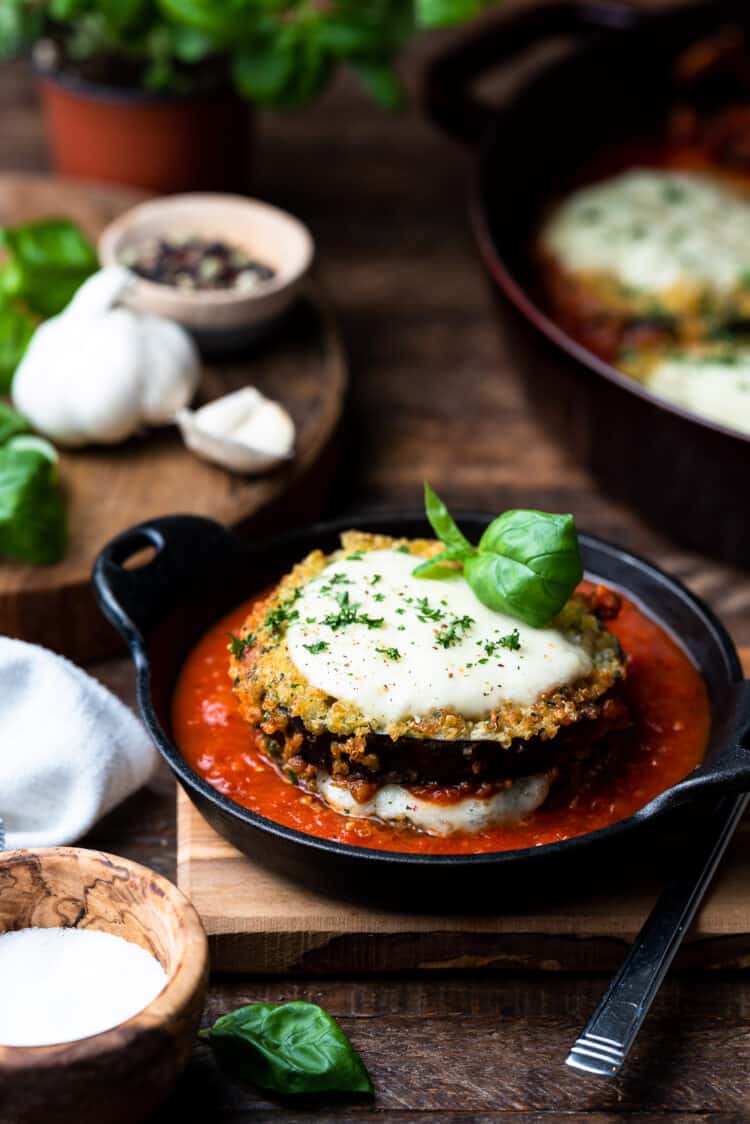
[193, 782]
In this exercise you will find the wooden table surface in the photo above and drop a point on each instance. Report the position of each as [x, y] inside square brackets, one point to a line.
[435, 396]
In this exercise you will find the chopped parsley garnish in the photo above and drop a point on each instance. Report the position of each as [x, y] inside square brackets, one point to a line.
[335, 579]
[238, 645]
[375, 579]
[453, 631]
[316, 648]
[389, 653]
[378, 597]
[281, 615]
[403, 549]
[512, 641]
[355, 556]
[349, 613]
[425, 611]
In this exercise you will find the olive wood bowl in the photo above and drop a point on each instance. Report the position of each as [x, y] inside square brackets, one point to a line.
[120, 1075]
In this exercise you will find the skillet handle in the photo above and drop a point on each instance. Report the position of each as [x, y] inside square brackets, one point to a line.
[447, 90]
[729, 770]
[135, 600]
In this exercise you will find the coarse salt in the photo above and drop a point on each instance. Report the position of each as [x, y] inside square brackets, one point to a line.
[59, 985]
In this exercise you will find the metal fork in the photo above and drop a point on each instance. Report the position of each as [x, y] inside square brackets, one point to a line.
[613, 1028]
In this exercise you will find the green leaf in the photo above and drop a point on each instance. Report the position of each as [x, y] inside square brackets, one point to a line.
[32, 515]
[21, 23]
[435, 567]
[261, 74]
[442, 13]
[220, 20]
[11, 423]
[443, 524]
[380, 81]
[289, 1048]
[53, 258]
[16, 329]
[191, 45]
[528, 565]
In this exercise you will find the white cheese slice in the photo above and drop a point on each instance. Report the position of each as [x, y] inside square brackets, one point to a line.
[437, 647]
[653, 229]
[711, 388]
[393, 803]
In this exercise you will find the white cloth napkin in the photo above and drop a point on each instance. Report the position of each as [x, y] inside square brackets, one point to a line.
[69, 750]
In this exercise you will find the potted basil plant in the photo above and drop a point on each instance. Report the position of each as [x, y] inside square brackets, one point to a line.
[153, 92]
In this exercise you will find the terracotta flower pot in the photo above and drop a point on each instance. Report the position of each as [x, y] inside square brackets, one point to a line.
[164, 143]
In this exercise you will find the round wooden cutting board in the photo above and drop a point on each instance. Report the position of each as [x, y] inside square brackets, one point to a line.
[108, 489]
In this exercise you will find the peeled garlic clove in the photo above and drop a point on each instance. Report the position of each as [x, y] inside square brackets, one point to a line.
[243, 431]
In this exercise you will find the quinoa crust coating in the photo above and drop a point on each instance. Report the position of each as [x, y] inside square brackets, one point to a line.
[276, 698]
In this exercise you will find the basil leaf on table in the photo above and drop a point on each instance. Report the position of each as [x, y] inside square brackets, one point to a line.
[16, 329]
[50, 260]
[32, 514]
[288, 1048]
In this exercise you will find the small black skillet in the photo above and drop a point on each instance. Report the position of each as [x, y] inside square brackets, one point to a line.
[200, 571]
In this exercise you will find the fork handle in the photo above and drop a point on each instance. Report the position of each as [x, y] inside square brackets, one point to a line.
[612, 1029]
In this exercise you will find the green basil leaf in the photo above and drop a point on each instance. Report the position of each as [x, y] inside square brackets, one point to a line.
[16, 329]
[11, 423]
[380, 80]
[32, 515]
[288, 1048]
[443, 524]
[262, 74]
[435, 567]
[220, 20]
[528, 564]
[441, 13]
[53, 258]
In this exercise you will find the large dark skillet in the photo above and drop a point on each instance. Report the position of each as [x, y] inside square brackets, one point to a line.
[200, 571]
[689, 477]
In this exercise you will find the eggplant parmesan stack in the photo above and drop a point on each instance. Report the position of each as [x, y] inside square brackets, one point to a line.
[406, 700]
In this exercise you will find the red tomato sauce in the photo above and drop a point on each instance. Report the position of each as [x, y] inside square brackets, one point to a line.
[666, 693]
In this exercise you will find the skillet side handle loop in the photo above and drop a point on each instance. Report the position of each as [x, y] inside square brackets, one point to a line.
[136, 600]
[447, 92]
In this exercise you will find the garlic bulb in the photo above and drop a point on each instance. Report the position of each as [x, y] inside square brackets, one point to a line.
[96, 374]
[243, 431]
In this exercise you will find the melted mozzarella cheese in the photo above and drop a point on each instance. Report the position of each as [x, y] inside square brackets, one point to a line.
[713, 389]
[394, 803]
[653, 230]
[390, 661]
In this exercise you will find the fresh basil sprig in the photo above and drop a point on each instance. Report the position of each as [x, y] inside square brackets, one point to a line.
[527, 563]
[288, 1048]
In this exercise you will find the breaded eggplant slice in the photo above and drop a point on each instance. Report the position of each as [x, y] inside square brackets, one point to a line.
[306, 728]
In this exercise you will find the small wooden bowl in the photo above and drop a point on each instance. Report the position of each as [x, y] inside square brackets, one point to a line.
[121, 1075]
[220, 319]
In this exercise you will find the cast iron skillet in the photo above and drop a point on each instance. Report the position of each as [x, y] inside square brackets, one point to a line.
[614, 85]
[200, 571]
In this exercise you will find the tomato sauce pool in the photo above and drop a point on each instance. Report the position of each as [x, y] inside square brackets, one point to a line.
[666, 693]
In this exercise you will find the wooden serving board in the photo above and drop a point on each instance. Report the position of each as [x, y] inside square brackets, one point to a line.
[260, 922]
[108, 489]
